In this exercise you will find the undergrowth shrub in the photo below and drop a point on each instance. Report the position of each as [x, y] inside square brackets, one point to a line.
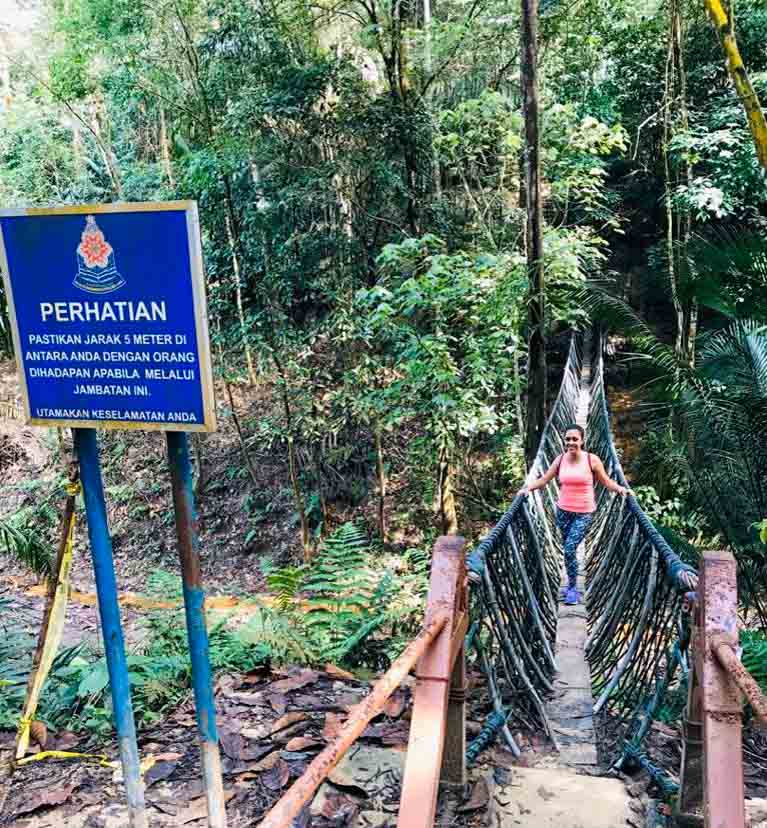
[28, 535]
[350, 605]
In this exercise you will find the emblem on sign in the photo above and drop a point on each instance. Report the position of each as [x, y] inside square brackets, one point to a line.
[96, 269]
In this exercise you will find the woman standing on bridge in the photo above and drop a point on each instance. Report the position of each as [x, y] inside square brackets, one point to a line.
[576, 471]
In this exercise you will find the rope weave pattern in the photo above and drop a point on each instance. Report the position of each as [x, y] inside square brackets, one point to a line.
[635, 592]
[635, 587]
[516, 573]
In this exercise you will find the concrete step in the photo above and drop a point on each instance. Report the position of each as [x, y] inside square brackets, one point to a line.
[558, 798]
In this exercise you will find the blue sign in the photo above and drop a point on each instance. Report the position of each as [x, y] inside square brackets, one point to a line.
[108, 309]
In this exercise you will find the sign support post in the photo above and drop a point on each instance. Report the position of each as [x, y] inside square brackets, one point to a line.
[110, 327]
[194, 604]
[109, 611]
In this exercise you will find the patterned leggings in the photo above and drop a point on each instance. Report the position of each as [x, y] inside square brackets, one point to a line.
[573, 526]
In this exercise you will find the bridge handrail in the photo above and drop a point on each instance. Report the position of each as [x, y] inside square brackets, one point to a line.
[682, 575]
[437, 725]
[475, 562]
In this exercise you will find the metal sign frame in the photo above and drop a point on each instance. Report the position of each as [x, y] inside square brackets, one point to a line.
[199, 305]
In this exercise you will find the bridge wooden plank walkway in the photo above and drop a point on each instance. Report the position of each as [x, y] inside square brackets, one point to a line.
[570, 710]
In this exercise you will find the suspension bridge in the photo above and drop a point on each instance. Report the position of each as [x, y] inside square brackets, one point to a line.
[591, 678]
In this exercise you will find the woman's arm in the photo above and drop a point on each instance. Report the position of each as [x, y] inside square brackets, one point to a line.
[599, 470]
[541, 481]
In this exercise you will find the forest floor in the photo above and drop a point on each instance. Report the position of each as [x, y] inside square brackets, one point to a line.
[272, 722]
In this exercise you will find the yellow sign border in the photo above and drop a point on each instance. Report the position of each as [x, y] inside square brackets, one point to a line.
[189, 208]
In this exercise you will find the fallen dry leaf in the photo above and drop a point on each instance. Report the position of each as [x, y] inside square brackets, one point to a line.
[337, 672]
[167, 757]
[268, 762]
[333, 724]
[248, 699]
[45, 797]
[340, 809]
[277, 777]
[303, 678]
[260, 732]
[480, 796]
[66, 740]
[197, 809]
[38, 732]
[255, 675]
[232, 743]
[278, 701]
[300, 743]
[158, 772]
[287, 720]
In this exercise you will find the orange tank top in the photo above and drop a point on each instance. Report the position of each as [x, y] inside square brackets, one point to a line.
[576, 485]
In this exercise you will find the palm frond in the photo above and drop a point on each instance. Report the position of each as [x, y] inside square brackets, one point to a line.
[730, 267]
[26, 545]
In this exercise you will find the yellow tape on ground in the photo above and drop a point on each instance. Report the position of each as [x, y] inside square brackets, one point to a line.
[55, 630]
[99, 758]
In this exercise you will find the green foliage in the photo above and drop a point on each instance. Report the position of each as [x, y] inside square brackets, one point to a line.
[350, 605]
[724, 414]
[344, 601]
[674, 514]
[285, 583]
[76, 695]
[448, 325]
[29, 534]
[24, 543]
[754, 656]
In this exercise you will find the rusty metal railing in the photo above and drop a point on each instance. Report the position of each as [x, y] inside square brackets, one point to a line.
[712, 758]
[437, 747]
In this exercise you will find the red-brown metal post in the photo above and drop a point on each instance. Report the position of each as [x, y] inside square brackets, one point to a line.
[722, 706]
[428, 727]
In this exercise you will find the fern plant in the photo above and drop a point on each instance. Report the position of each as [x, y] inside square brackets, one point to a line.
[343, 595]
[286, 583]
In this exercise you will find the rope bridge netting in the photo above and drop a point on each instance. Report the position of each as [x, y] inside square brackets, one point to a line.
[635, 592]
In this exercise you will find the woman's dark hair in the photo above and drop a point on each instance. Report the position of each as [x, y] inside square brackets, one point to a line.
[576, 427]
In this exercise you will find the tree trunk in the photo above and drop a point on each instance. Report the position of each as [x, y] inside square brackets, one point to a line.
[104, 143]
[292, 463]
[381, 471]
[320, 489]
[299, 499]
[165, 149]
[725, 29]
[240, 435]
[446, 496]
[679, 226]
[536, 374]
[198, 441]
[233, 252]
